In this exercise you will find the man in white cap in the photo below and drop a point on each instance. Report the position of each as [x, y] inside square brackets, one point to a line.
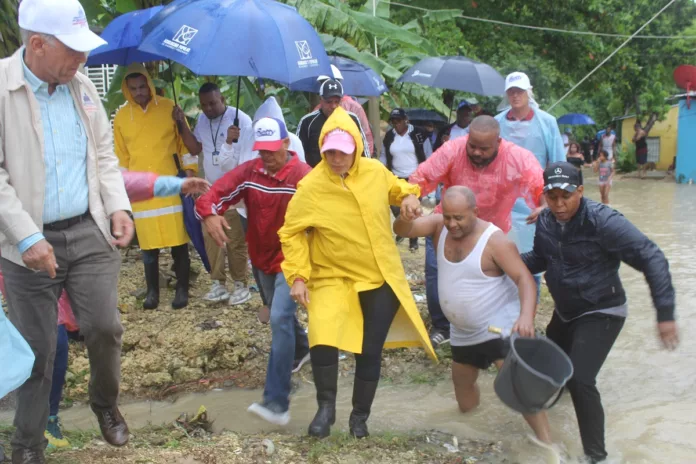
[527, 126]
[266, 185]
[64, 212]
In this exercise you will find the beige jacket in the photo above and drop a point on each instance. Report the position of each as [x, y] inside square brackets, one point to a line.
[22, 170]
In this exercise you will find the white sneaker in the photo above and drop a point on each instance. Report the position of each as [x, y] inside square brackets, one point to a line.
[270, 413]
[218, 292]
[240, 294]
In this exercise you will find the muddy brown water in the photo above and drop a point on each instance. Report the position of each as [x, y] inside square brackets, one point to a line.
[648, 393]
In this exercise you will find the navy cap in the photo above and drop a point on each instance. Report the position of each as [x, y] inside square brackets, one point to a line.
[398, 113]
[562, 175]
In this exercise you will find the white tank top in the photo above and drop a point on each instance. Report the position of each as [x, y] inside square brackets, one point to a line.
[471, 300]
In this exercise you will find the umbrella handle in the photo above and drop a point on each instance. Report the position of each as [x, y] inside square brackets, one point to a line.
[236, 114]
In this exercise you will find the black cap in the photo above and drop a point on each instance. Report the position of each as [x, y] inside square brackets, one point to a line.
[331, 88]
[563, 176]
[398, 113]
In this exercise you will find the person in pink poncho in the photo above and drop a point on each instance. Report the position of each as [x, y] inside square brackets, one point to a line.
[140, 186]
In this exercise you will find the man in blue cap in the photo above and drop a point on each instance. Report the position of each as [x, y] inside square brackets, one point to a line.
[458, 128]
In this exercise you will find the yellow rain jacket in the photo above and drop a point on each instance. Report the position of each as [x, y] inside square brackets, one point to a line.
[145, 140]
[337, 236]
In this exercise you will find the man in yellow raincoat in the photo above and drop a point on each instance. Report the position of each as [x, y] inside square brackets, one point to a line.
[146, 139]
[343, 265]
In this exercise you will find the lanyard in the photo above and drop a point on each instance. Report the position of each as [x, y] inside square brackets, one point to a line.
[214, 136]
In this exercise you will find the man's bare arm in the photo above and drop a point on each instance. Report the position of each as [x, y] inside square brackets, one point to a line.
[506, 256]
[421, 227]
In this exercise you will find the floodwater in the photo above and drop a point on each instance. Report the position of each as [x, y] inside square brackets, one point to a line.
[649, 394]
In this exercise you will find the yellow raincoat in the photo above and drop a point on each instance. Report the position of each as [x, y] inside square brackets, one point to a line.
[337, 236]
[145, 140]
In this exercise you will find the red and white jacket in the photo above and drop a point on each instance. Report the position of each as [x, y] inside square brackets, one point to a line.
[266, 198]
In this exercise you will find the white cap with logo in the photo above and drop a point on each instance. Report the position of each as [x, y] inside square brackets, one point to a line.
[64, 19]
[519, 80]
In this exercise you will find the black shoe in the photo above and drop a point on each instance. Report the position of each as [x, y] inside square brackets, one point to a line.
[413, 245]
[363, 396]
[182, 269]
[439, 337]
[326, 382]
[112, 425]
[28, 456]
[153, 290]
[399, 239]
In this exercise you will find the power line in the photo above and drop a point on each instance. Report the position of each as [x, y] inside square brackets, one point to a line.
[550, 29]
[612, 54]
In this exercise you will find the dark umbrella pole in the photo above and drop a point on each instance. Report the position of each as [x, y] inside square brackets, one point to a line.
[171, 74]
[236, 114]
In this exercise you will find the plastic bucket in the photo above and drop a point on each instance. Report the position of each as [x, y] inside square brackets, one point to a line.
[533, 374]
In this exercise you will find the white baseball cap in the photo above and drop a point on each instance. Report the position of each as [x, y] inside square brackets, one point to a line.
[269, 134]
[519, 80]
[64, 19]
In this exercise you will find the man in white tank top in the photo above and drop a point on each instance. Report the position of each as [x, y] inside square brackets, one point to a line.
[482, 282]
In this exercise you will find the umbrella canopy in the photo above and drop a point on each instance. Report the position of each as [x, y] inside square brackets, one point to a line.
[258, 38]
[577, 119]
[422, 114]
[358, 79]
[124, 35]
[456, 73]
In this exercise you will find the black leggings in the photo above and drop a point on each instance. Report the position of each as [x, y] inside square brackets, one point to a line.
[178, 253]
[379, 307]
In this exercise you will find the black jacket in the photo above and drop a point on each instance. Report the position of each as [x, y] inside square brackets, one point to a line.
[418, 137]
[309, 130]
[582, 261]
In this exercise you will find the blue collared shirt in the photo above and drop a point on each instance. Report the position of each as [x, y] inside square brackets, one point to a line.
[65, 155]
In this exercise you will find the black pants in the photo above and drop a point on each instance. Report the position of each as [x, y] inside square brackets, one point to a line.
[587, 341]
[379, 307]
[412, 242]
[178, 253]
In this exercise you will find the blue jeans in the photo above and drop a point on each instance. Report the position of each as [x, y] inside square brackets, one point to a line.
[289, 340]
[438, 318]
[60, 367]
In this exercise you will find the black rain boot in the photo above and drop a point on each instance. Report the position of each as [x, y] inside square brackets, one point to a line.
[152, 279]
[182, 269]
[363, 395]
[326, 382]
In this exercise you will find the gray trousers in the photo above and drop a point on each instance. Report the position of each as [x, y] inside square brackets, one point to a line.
[88, 270]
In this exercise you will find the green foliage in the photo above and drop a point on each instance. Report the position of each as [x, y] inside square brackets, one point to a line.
[626, 158]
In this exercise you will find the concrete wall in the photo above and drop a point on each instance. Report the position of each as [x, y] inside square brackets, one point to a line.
[667, 132]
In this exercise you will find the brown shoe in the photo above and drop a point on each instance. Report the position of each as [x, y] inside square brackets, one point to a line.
[113, 426]
[28, 456]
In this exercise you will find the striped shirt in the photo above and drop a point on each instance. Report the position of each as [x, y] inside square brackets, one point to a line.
[65, 151]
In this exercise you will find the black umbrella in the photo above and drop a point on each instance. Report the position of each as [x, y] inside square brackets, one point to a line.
[422, 114]
[456, 73]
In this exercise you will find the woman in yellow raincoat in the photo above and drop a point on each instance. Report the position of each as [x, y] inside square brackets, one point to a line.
[146, 139]
[343, 266]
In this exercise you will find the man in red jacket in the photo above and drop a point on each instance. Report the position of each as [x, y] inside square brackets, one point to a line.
[266, 185]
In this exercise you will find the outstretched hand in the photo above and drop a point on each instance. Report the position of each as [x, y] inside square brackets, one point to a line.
[195, 185]
[411, 208]
[668, 334]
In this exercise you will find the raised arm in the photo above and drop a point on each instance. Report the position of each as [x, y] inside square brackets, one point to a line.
[425, 226]
[191, 138]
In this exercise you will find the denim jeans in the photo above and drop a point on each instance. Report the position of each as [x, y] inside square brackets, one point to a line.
[289, 340]
[438, 318]
[60, 367]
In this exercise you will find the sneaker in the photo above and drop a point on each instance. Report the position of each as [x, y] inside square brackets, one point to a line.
[439, 337]
[270, 413]
[298, 363]
[241, 294]
[218, 292]
[54, 435]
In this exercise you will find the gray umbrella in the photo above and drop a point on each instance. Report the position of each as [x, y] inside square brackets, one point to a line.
[456, 73]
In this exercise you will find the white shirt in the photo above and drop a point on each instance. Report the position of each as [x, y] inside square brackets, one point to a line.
[566, 142]
[608, 144]
[213, 134]
[457, 132]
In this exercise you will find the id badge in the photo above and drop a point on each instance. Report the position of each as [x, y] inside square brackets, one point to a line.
[216, 158]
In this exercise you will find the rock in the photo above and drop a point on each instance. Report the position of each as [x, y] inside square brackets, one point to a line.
[268, 447]
[145, 342]
[161, 339]
[139, 293]
[186, 374]
[156, 378]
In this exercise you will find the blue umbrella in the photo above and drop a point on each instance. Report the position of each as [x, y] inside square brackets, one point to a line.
[576, 119]
[259, 38]
[456, 73]
[358, 79]
[123, 35]
[191, 222]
